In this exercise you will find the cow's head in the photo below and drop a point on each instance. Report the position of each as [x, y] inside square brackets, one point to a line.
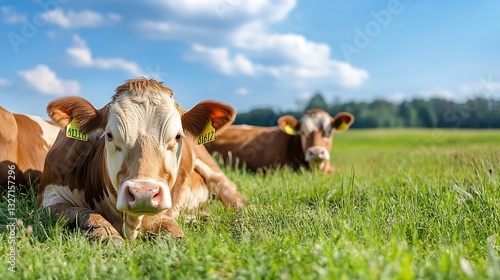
[142, 129]
[315, 130]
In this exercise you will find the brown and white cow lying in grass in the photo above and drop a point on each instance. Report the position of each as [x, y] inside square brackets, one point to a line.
[132, 166]
[24, 143]
[306, 142]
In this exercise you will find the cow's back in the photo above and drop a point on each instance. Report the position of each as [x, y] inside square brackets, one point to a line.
[256, 148]
[24, 143]
[8, 143]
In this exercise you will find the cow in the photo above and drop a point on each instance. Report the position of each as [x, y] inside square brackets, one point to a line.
[24, 142]
[295, 143]
[130, 167]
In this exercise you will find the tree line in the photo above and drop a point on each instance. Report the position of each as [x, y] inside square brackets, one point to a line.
[477, 112]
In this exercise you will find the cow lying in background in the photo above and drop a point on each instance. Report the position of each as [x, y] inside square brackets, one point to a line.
[131, 166]
[24, 142]
[306, 142]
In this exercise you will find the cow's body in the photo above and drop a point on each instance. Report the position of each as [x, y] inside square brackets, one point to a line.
[256, 147]
[137, 171]
[24, 142]
[294, 143]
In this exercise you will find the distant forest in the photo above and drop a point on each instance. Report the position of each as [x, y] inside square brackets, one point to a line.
[434, 113]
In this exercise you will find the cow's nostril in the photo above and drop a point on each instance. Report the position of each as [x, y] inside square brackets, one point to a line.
[157, 197]
[129, 195]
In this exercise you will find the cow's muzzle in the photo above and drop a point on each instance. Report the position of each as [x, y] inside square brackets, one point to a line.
[143, 197]
[317, 154]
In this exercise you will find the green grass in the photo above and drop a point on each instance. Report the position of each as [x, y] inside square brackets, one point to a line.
[406, 204]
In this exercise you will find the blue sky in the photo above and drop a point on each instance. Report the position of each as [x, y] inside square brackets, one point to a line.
[249, 53]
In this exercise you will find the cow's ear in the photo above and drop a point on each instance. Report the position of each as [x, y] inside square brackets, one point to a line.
[195, 120]
[63, 110]
[289, 125]
[342, 121]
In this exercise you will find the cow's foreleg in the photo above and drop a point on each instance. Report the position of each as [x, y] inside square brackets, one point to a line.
[328, 169]
[162, 223]
[220, 185]
[227, 193]
[90, 223]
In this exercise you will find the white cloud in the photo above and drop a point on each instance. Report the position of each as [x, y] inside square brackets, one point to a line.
[4, 82]
[80, 55]
[437, 92]
[85, 18]
[274, 10]
[202, 21]
[171, 30]
[10, 16]
[220, 60]
[242, 91]
[233, 38]
[298, 57]
[46, 81]
[292, 69]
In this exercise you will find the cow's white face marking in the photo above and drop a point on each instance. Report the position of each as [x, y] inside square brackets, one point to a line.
[315, 131]
[115, 152]
[143, 145]
[318, 121]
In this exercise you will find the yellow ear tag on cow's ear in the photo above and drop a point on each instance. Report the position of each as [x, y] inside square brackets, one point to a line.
[342, 126]
[73, 131]
[207, 135]
[290, 130]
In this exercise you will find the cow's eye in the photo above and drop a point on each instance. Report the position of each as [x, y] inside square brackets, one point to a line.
[178, 137]
[109, 136]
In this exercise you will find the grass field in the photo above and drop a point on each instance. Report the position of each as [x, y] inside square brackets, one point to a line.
[406, 204]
